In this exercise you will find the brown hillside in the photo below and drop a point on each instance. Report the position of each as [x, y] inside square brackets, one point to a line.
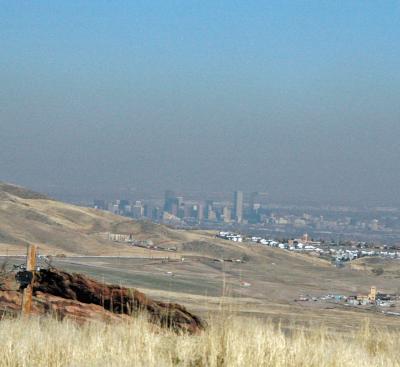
[27, 217]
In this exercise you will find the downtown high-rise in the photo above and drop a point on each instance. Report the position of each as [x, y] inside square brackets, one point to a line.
[238, 206]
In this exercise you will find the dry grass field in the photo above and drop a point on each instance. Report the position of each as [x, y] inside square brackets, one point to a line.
[228, 341]
[59, 228]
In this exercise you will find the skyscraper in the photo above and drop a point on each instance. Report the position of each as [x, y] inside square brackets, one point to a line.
[253, 200]
[252, 213]
[170, 202]
[238, 206]
[226, 214]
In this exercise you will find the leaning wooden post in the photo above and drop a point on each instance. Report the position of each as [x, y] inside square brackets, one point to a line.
[30, 267]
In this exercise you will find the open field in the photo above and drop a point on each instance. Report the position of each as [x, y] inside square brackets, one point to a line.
[228, 341]
[277, 278]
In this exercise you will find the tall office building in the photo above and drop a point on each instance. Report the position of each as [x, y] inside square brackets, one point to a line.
[238, 206]
[253, 200]
[170, 201]
[208, 208]
[226, 214]
[252, 213]
[138, 210]
[200, 212]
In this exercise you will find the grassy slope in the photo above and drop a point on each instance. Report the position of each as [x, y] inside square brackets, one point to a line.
[27, 217]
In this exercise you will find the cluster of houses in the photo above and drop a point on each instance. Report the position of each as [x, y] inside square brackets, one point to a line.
[348, 254]
[305, 244]
[230, 236]
[301, 244]
[124, 238]
[291, 245]
[373, 298]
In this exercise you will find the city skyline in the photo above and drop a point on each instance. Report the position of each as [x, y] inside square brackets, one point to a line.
[253, 213]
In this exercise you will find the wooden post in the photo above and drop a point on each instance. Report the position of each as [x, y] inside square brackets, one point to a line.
[30, 266]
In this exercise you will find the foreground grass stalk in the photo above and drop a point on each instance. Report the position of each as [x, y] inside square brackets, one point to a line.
[231, 341]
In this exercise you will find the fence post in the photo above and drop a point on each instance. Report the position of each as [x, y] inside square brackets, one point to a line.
[30, 266]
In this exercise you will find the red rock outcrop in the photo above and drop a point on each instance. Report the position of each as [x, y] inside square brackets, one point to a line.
[42, 304]
[82, 298]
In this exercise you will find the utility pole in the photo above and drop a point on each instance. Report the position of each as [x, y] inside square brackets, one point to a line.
[30, 268]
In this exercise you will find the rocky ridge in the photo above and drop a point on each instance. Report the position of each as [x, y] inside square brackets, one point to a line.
[78, 297]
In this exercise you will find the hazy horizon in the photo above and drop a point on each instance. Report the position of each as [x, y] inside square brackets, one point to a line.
[297, 99]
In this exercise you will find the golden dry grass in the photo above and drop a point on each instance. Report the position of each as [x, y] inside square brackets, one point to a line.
[57, 227]
[230, 341]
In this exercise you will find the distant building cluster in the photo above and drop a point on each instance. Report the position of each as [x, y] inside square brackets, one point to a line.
[124, 207]
[124, 238]
[337, 252]
[191, 212]
[320, 223]
[230, 236]
[374, 301]
[250, 211]
[302, 244]
[176, 210]
[253, 213]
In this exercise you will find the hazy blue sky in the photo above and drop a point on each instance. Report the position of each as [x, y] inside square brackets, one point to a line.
[297, 98]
